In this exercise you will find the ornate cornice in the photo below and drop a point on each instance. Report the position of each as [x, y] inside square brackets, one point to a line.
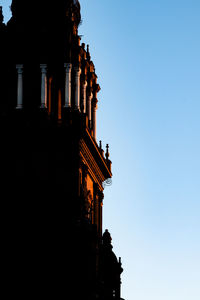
[97, 168]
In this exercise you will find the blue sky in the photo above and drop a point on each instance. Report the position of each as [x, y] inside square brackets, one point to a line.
[147, 58]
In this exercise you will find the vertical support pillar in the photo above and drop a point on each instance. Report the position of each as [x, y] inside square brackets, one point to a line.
[43, 68]
[19, 86]
[94, 109]
[77, 89]
[101, 196]
[49, 95]
[68, 69]
[59, 105]
[84, 96]
[96, 207]
[90, 109]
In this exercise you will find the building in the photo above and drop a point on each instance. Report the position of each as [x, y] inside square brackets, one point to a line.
[52, 168]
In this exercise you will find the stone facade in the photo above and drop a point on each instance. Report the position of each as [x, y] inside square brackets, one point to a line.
[53, 170]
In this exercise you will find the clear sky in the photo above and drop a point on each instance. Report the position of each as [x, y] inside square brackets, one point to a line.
[147, 58]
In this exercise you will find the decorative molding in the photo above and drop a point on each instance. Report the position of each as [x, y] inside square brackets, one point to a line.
[93, 168]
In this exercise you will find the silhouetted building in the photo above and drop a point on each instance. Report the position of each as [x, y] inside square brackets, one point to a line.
[52, 169]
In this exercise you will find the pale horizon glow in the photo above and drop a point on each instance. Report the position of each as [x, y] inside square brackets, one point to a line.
[147, 58]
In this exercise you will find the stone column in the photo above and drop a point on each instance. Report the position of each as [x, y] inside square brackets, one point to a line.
[77, 89]
[96, 206]
[19, 86]
[49, 95]
[84, 96]
[90, 108]
[43, 68]
[59, 105]
[68, 69]
[94, 109]
[100, 198]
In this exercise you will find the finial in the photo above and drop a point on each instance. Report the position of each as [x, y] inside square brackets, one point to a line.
[100, 144]
[107, 152]
[101, 149]
[88, 53]
[1, 15]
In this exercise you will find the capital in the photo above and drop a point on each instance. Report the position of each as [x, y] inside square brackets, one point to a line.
[43, 68]
[85, 84]
[67, 67]
[78, 71]
[19, 69]
[94, 102]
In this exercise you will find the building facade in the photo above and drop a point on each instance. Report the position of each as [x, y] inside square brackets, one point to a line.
[53, 170]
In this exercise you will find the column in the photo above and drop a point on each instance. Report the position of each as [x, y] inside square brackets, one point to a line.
[101, 196]
[84, 96]
[96, 206]
[68, 69]
[94, 109]
[43, 68]
[49, 95]
[90, 109]
[19, 86]
[59, 105]
[77, 89]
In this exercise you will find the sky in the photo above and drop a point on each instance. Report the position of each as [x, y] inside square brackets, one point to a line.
[147, 58]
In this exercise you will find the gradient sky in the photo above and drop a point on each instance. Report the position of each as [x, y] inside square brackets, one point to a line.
[147, 58]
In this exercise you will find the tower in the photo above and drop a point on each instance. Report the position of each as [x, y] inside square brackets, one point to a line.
[53, 169]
